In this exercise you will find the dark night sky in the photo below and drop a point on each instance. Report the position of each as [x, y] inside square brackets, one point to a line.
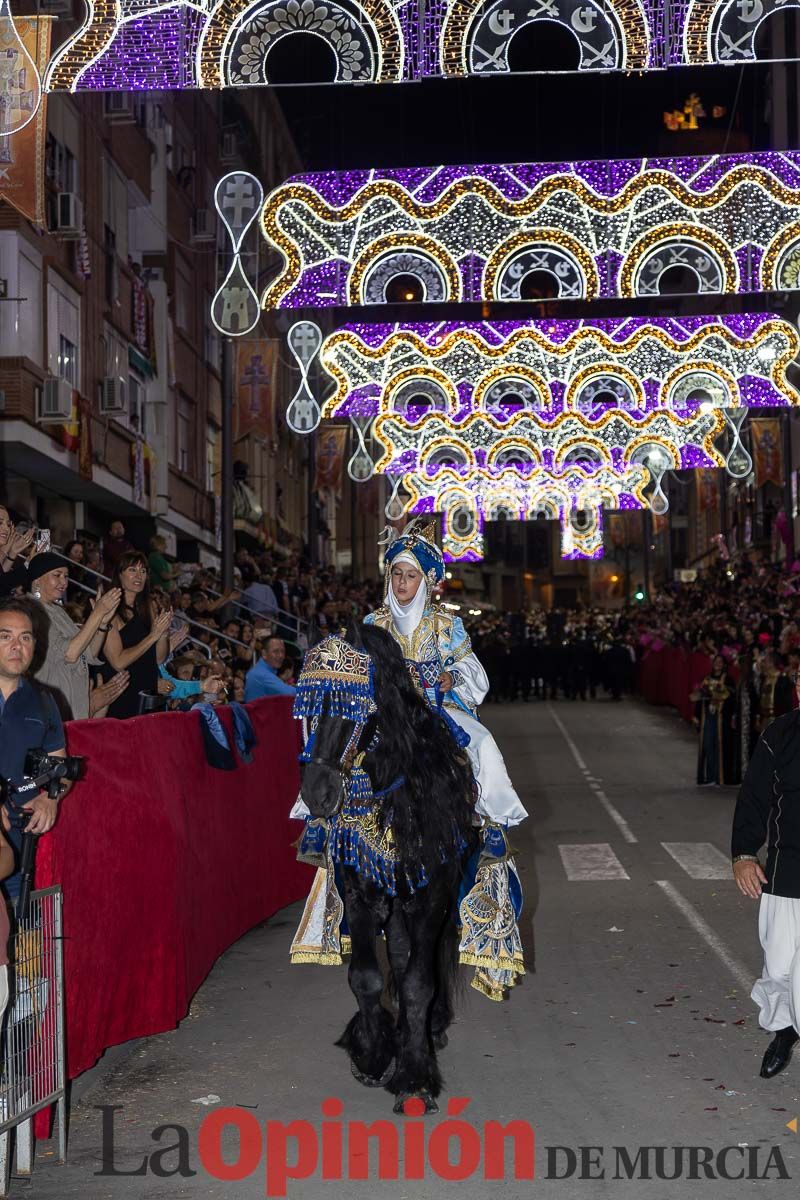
[522, 118]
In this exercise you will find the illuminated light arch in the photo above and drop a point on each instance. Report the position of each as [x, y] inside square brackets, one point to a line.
[724, 31]
[515, 378]
[597, 454]
[433, 456]
[679, 384]
[552, 250]
[667, 447]
[409, 243]
[756, 349]
[475, 39]
[662, 248]
[605, 376]
[529, 453]
[396, 263]
[347, 26]
[597, 215]
[430, 382]
[780, 267]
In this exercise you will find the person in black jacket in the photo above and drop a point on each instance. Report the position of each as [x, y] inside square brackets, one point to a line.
[768, 811]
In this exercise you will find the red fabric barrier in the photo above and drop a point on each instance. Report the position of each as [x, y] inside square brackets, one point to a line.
[670, 675]
[164, 863]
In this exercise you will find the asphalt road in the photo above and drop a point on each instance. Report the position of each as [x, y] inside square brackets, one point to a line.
[633, 1027]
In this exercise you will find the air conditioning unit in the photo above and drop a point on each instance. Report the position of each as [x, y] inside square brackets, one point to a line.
[204, 226]
[118, 107]
[230, 146]
[55, 401]
[69, 215]
[113, 396]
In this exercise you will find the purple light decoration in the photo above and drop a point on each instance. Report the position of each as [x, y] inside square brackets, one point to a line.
[756, 391]
[155, 51]
[120, 69]
[515, 181]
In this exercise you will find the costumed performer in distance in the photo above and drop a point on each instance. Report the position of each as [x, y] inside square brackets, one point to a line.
[444, 668]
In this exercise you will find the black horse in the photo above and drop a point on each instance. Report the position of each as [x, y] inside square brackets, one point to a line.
[427, 802]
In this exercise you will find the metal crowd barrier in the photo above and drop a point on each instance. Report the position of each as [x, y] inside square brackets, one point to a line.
[32, 1053]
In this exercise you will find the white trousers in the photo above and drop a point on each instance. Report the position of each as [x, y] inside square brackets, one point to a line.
[777, 992]
[498, 801]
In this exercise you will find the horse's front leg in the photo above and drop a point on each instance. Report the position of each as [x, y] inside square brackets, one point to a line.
[369, 1038]
[416, 1071]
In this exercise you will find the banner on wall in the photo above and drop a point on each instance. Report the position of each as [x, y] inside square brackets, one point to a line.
[765, 433]
[706, 482]
[22, 182]
[331, 446]
[76, 434]
[256, 365]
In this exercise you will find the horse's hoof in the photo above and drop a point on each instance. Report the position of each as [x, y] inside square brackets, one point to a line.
[430, 1104]
[440, 1040]
[369, 1080]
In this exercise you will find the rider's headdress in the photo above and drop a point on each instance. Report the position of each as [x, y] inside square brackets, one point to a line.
[417, 541]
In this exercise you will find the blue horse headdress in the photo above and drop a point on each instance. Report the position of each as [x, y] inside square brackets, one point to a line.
[338, 678]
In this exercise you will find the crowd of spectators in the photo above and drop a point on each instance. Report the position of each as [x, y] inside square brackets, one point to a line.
[126, 622]
[129, 630]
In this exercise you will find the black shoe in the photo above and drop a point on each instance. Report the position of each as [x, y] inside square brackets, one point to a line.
[779, 1051]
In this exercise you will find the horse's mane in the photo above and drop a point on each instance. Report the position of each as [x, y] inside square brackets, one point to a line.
[432, 814]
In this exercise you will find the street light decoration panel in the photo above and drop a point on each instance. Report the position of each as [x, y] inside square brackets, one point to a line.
[722, 224]
[636, 365]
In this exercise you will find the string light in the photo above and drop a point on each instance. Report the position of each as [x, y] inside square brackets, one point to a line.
[219, 43]
[567, 416]
[476, 233]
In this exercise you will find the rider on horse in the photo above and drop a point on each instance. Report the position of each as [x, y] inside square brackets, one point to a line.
[444, 669]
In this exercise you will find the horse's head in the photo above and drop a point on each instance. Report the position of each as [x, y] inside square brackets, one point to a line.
[336, 697]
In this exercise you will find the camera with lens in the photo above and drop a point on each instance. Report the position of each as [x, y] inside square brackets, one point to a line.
[48, 771]
[43, 772]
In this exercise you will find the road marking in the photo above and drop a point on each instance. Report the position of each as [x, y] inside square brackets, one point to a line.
[740, 973]
[616, 816]
[591, 861]
[700, 860]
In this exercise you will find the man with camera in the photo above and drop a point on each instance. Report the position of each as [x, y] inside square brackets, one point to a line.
[29, 721]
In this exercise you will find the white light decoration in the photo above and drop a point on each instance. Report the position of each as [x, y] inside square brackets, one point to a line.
[237, 198]
[727, 223]
[738, 462]
[20, 84]
[303, 413]
[558, 368]
[562, 417]
[724, 31]
[361, 466]
[575, 497]
[126, 45]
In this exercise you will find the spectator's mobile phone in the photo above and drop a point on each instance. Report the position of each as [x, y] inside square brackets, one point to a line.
[41, 542]
[178, 623]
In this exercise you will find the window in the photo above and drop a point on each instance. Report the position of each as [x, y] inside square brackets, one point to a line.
[213, 349]
[137, 409]
[183, 295]
[184, 422]
[211, 457]
[61, 166]
[63, 330]
[28, 317]
[111, 266]
[67, 360]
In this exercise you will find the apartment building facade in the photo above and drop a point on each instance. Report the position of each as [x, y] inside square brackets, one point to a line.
[110, 365]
